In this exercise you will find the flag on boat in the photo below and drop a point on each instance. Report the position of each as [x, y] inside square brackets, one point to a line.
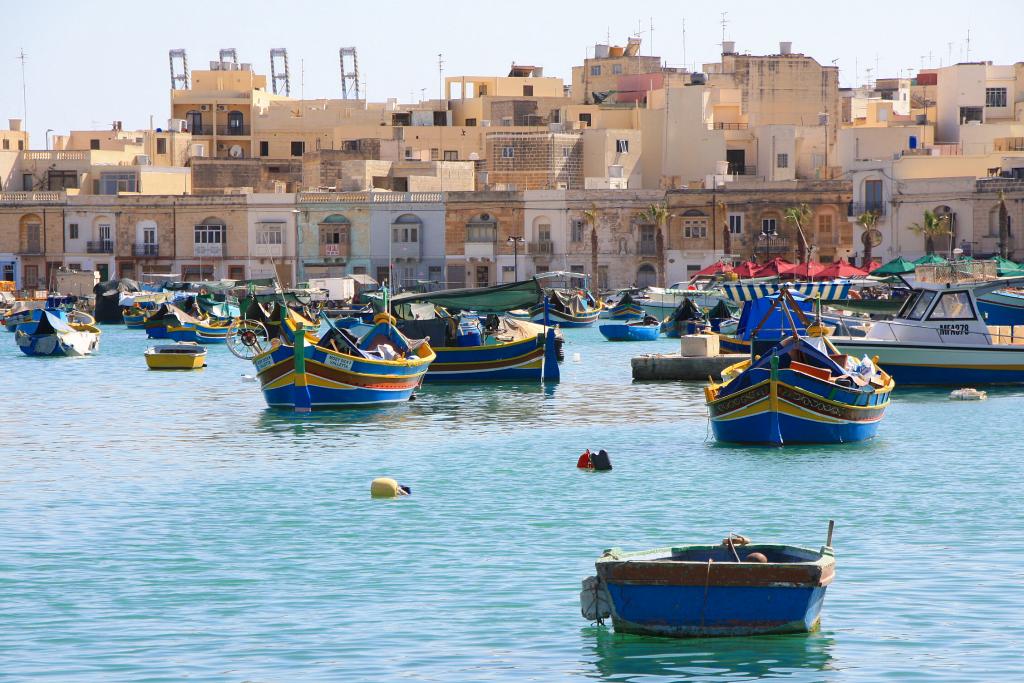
[739, 292]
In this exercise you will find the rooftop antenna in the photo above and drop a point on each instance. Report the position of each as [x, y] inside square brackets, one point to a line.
[684, 43]
[650, 22]
[423, 94]
[24, 91]
[724, 22]
[279, 71]
[228, 54]
[968, 58]
[349, 75]
[179, 75]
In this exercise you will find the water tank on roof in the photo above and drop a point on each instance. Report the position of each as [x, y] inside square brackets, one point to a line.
[912, 143]
[600, 51]
[728, 47]
[785, 48]
[698, 78]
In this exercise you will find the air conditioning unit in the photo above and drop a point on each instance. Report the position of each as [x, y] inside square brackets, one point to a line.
[177, 125]
[142, 160]
[204, 107]
[485, 123]
[222, 107]
[198, 150]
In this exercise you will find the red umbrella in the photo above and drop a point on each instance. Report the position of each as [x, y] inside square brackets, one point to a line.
[777, 266]
[715, 269]
[806, 271]
[839, 269]
[747, 269]
[872, 266]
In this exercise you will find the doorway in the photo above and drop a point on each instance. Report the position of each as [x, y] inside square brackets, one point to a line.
[737, 159]
[104, 271]
[646, 276]
[483, 276]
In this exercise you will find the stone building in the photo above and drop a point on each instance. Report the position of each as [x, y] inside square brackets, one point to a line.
[534, 161]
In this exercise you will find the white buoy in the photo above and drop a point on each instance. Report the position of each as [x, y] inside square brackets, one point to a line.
[248, 378]
[576, 357]
[968, 394]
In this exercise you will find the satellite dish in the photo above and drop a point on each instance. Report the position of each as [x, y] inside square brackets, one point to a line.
[872, 237]
[235, 151]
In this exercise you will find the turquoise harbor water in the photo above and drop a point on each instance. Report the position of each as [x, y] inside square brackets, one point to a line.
[161, 526]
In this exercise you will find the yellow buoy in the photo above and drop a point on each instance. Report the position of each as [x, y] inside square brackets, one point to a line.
[385, 487]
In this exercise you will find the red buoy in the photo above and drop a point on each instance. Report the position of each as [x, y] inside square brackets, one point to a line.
[584, 462]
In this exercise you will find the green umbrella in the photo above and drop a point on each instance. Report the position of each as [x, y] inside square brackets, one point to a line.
[1007, 268]
[898, 266]
[930, 260]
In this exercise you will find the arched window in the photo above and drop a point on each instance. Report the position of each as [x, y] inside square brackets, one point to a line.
[695, 224]
[406, 229]
[827, 227]
[542, 229]
[30, 230]
[194, 121]
[646, 276]
[102, 241]
[146, 243]
[209, 237]
[335, 236]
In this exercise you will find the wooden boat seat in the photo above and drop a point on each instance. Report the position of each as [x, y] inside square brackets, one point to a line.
[819, 373]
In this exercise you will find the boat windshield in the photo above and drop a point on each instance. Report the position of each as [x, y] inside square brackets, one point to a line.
[916, 305]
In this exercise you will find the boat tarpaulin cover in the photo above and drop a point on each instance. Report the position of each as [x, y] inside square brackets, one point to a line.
[508, 297]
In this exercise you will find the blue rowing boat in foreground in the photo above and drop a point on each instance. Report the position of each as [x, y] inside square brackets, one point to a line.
[732, 589]
[647, 329]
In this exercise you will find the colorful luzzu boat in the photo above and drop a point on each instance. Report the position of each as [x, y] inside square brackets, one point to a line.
[627, 309]
[802, 390]
[335, 370]
[767, 319]
[733, 589]
[48, 334]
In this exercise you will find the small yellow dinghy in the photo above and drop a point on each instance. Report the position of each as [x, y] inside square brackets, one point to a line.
[181, 356]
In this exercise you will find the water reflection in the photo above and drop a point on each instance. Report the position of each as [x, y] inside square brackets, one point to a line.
[627, 657]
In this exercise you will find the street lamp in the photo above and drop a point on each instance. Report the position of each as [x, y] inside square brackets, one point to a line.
[515, 242]
[298, 239]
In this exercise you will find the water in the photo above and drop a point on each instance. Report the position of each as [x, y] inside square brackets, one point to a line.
[158, 526]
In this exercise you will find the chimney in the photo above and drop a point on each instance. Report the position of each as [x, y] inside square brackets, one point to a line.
[785, 48]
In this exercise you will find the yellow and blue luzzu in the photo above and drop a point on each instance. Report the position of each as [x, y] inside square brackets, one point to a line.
[337, 370]
[520, 351]
[801, 391]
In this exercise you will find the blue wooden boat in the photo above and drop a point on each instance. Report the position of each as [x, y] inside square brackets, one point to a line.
[48, 333]
[627, 309]
[732, 589]
[647, 329]
[334, 370]
[569, 301]
[768, 319]
[802, 390]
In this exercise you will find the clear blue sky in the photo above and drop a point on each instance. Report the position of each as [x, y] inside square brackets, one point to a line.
[89, 64]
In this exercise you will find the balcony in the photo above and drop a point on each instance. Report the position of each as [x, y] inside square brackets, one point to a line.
[408, 251]
[540, 248]
[482, 233]
[334, 251]
[771, 244]
[736, 169]
[854, 209]
[209, 251]
[146, 249]
[647, 248]
[31, 248]
[200, 130]
[233, 130]
[99, 247]
[721, 125]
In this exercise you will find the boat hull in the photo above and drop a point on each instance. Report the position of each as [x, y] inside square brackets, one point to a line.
[1002, 308]
[522, 360]
[175, 361]
[565, 319]
[68, 344]
[941, 364]
[777, 413]
[624, 332]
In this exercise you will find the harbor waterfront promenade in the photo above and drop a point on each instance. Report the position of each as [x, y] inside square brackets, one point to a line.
[170, 526]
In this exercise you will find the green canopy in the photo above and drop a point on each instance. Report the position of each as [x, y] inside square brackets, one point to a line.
[930, 260]
[499, 298]
[1007, 268]
[898, 266]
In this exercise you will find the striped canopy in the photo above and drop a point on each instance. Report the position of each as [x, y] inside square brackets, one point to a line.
[748, 292]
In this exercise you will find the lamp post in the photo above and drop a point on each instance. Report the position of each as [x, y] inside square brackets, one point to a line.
[298, 255]
[515, 242]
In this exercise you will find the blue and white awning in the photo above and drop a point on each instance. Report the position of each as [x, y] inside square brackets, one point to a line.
[816, 290]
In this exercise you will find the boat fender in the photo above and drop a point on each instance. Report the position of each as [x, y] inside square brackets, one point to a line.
[383, 318]
[600, 461]
[595, 603]
[386, 487]
[756, 557]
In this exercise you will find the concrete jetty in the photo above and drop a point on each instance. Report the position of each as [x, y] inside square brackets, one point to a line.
[673, 366]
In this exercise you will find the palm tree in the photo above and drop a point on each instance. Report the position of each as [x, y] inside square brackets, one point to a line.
[1004, 227]
[723, 211]
[867, 221]
[933, 226]
[658, 215]
[590, 218]
[799, 216]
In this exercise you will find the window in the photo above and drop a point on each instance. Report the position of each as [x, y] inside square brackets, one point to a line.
[434, 274]
[873, 195]
[969, 114]
[576, 269]
[113, 183]
[21, 144]
[103, 229]
[209, 233]
[482, 91]
[269, 233]
[73, 231]
[622, 146]
[298, 148]
[236, 272]
[161, 145]
[995, 97]
[481, 232]
[235, 121]
[616, 69]
[264, 148]
[94, 144]
[595, 70]
[953, 306]
[508, 152]
[435, 154]
[695, 228]
[7, 143]
[565, 152]
[72, 266]
[27, 182]
[782, 161]
[918, 304]
[768, 226]
[576, 230]
[735, 224]
[470, 122]
[451, 155]
[61, 180]
[585, 118]
[825, 224]
[527, 91]
[544, 232]
[405, 230]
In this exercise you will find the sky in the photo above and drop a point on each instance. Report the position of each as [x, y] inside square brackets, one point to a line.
[86, 67]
